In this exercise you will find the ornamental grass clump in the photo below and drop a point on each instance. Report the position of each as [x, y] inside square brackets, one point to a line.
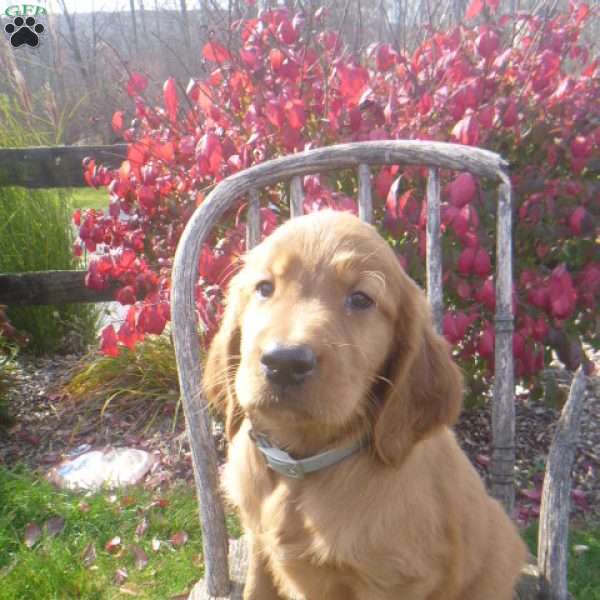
[521, 85]
[36, 234]
[141, 382]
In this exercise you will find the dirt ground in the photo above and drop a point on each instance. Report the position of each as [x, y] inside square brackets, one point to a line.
[46, 430]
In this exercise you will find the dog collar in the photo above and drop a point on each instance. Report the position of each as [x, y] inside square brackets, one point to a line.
[284, 464]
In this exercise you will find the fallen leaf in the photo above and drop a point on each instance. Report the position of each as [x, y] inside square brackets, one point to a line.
[129, 589]
[140, 557]
[113, 545]
[127, 501]
[89, 555]
[535, 495]
[54, 526]
[33, 533]
[179, 538]
[483, 459]
[120, 575]
[155, 544]
[84, 507]
[141, 529]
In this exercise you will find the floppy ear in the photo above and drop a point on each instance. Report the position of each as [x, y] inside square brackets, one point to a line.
[426, 384]
[218, 380]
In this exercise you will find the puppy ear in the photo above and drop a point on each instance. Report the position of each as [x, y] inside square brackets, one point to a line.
[218, 380]
[426, 385]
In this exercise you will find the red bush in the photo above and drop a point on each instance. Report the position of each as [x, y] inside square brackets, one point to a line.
[520, 86]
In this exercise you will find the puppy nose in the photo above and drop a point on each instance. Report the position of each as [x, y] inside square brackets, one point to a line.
[288, 365]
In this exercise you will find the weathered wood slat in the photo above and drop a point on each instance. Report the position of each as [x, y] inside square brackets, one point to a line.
[434, 249]
[238, 565]
[365, 198]
[556, 494]
[503, 406]
[56, 166]
[296, 197]
[49, 287]
[253, 220]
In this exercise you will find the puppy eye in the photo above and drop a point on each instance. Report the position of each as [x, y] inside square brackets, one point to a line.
[265, 289]
[359, 301]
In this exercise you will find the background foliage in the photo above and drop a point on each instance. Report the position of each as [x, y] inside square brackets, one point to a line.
[522, 85]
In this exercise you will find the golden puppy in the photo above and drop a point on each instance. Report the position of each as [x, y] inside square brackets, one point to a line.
[327, 355]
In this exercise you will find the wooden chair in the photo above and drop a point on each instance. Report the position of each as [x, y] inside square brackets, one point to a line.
[435, 156]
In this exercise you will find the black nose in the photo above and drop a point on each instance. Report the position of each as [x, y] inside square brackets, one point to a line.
[288, 365]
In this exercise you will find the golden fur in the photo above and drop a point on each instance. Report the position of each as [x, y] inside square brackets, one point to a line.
[406, 518]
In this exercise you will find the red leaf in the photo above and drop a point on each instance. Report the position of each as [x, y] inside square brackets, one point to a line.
[294, 111]
[54, 526]
[170, 98]
[274, 113]
[117, 121]
[210, 152]
[488, 43]
[216, 52]
[465, 261]
[535, 494]
[486, 342]
[108, 346]
[89, 555]
[137, 84]
[462, 190]
[179, 538]
[385, 57]
[140, 557]
[121, 575]
[276, 58]
[113, 545]
[33, 533]
[353, 80]
[483, 460]
[151, 319]
[582, 13]
[286, 32]
[580, 499]
[141, 528]
[126, 295]
[474, 9]
[466, 131]
[481, 263]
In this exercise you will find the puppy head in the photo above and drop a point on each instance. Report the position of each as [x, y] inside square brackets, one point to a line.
[325, 336]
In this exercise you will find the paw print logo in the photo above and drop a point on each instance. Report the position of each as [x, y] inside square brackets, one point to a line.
[24, 31]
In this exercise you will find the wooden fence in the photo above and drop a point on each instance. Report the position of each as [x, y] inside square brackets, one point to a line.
[51, 167]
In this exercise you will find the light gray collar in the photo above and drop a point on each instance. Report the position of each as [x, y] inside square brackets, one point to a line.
[284, 464]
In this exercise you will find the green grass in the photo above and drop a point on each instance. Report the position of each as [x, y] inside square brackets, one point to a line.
[88, 197]
[584, 569]
[36, 235]
[54, 569]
